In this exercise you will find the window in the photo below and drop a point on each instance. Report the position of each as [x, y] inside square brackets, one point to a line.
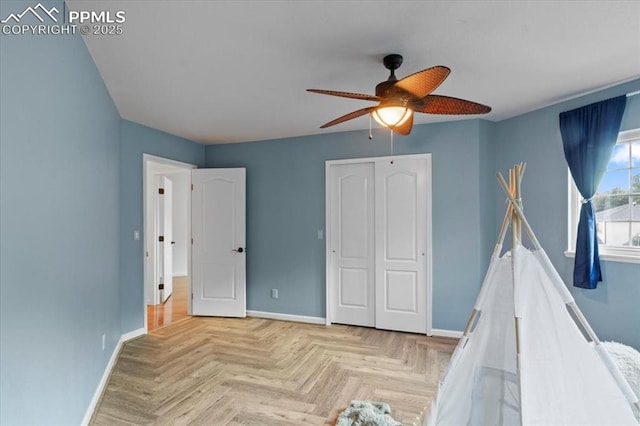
[616, 203]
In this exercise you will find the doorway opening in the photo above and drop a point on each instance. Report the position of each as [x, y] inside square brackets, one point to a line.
[167, 240]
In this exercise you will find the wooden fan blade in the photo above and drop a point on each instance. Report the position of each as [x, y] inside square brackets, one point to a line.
[421, 83]
[345, 94]
[436, 104]
[347, 117]
[405, 128]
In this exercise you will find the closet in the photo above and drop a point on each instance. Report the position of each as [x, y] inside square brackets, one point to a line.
[379, 242]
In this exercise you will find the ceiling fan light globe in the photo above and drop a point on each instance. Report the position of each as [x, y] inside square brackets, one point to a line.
[391, 116]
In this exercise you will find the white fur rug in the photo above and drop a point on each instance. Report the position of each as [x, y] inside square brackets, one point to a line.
[628, 361]
[367, 413]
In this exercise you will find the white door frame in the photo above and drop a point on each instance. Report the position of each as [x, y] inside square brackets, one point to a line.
[152, 164]
[429, 245]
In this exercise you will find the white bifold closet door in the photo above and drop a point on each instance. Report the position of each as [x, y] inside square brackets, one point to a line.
[378, 243]
[352, 263]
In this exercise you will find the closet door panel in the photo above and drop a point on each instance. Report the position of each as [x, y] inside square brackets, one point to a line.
[352, 244]
[401, 209]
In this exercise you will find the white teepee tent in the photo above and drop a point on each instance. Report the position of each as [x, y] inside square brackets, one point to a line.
[528, 355]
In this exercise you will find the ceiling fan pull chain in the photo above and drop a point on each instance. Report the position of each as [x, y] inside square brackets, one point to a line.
[391, 131]
[370, 134]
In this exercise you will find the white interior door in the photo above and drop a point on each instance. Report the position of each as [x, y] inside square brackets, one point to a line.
[164, 235]
[352, 244]
[401, 250]
[218, 250]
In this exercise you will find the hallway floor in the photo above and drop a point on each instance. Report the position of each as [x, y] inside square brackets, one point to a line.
[174, 309]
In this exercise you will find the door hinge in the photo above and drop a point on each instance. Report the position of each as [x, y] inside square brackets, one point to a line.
[161, 238]
[160, 286]
[161, 191]
[192, 241]
[191, 296]
[192, 187]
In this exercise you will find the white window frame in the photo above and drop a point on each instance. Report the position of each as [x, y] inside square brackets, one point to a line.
[615, 254]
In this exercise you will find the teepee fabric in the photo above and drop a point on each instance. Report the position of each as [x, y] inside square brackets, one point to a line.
[524, 361]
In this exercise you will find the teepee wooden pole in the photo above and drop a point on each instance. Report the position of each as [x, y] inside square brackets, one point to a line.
[518, 210]
[517, 196]
[514, 217]
[505, 226]
[507, 217]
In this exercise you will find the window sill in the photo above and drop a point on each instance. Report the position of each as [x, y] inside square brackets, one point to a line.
[614, 255]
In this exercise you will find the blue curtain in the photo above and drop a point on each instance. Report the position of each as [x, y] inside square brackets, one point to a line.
[588, 136]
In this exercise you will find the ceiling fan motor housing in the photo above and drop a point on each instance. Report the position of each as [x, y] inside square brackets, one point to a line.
[388, 91]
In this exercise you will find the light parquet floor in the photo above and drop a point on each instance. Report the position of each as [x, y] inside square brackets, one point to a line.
[224, 371]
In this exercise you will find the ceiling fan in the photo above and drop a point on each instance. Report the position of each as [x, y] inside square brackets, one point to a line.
[399, 99]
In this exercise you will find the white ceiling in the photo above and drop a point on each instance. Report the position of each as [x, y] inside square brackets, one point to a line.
[234, 71]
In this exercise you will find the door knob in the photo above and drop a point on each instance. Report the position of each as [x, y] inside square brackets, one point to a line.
[173, 242]
[238, 250]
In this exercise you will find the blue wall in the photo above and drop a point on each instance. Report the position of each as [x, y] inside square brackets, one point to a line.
[286, 207]
[59, 207]
[135, 141]
[486, 188]
[612, 309]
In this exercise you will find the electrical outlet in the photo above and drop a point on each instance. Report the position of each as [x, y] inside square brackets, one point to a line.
[321, 234]
[274, 293]
[104, 341]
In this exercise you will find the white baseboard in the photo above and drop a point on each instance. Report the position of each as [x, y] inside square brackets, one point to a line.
[107, 372]
[286, 317]
[321, 320]
[446, 333]
[132, 335]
